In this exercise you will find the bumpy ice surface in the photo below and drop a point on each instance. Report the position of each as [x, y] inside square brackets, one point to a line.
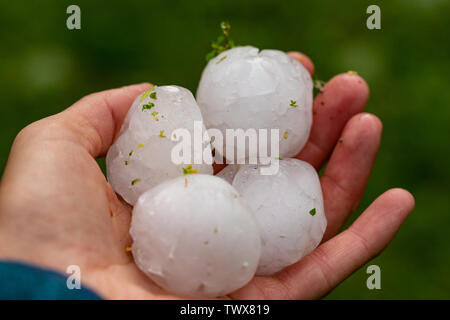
[140, 158]
[289, 209]
[247, 88]
[194, 236]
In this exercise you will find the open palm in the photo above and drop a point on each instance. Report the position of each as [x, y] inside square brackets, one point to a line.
[57, 209]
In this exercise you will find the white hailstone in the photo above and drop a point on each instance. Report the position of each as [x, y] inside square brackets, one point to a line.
[194, 236]
[247, 88]
[140, 158]
[289, 209]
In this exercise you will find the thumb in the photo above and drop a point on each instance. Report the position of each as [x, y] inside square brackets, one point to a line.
[97, 118]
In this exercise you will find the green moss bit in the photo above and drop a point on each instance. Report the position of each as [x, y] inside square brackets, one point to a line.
[189, 170]
[154, 113]
[293, 104]
[222, 43]
[279, 158]
[216, 230]
[153, 95]
[161, 134]
[312, 211]
[131, 152]
[140, 145]
[221, 59]
[135, 181]
[285, 135]
[126, 162]
[148, 106]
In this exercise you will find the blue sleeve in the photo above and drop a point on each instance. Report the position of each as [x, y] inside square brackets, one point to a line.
[27, 282]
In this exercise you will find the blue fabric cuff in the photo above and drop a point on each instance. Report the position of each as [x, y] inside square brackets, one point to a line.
[28, 282]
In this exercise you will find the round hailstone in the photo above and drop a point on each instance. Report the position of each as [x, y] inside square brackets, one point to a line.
[194, 236]
[289, 210]
[247, 88]
[140, 158]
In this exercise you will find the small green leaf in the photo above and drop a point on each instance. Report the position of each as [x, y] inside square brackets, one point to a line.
[153, 95]
[221, 59]
[161, 134]
[222, 43]
[210, 55]
[188, 170]
[135, 181]
[312, 211]
[131, 152]
[126, 163]
[146, 93]
[154, 114]
[148, 106]
[293, 104]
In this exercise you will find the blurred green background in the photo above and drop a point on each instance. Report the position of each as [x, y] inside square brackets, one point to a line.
[44, 67]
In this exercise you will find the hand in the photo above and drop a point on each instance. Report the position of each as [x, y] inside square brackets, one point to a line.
[349, 140]
[57, 209]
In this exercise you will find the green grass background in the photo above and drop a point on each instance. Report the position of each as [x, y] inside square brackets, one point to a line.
[44, 68]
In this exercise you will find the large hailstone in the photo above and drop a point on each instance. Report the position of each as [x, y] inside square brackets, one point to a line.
[289, 209]
[140, 158]
[194, 236]
[247, 88]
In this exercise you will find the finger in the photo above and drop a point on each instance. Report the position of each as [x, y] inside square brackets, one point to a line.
[333, 261]
[97, 118]
[342, 97]
[345, 178]
[304, 60]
